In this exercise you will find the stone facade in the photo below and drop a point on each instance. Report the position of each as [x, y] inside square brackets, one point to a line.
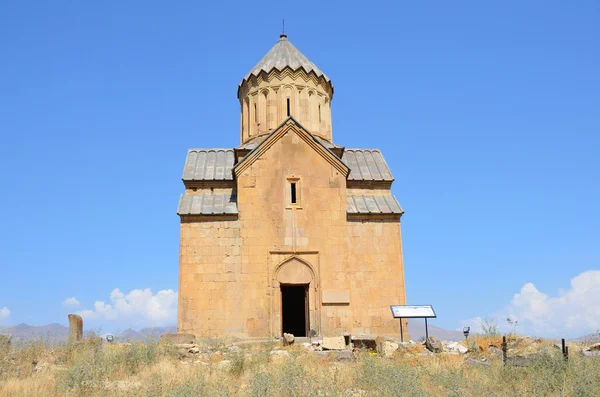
[291, 227]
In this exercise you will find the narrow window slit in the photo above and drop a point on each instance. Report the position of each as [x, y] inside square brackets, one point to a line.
[288, 107]
[293, 187]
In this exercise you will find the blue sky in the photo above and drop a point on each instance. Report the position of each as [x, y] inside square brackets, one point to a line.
[487, 113]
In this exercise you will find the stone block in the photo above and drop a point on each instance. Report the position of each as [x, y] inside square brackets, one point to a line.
[336, 297]
[333, 343]
[75, 328]
[178, 339]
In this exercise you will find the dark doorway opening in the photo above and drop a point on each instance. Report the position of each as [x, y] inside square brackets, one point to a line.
[294, 309]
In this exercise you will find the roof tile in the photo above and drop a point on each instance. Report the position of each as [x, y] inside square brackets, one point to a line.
[367, 165]
[207, 204]
[208, 165]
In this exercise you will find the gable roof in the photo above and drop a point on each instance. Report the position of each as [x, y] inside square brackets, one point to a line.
[209, 165]
[367, 165]
[309, 138]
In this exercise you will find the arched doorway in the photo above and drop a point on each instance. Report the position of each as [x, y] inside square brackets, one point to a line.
[295, 278]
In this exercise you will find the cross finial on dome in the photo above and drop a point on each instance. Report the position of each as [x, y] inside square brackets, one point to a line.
[283, 35]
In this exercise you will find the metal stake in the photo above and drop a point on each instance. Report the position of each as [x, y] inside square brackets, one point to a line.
[426, 330]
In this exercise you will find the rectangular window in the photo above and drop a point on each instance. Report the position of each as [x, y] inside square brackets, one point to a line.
[293, 191]
[288, 107]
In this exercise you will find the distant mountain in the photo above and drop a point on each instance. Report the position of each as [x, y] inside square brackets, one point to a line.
[145, 333]
[56, 333]
[416, 328]
[24, 332]
[593, 338]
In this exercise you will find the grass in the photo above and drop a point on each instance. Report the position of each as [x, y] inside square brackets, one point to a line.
[150, 369]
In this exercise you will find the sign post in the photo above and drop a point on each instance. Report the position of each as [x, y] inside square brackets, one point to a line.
[419, 311]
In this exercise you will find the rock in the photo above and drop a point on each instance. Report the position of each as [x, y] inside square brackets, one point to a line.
[389, 348]
[194, 350]
[178, 339]
[333, 343]
[288, 339]
[278, 355]
[75, 328]
[5, 340]
[339, 355]
[590, 353]
[434, 345]
[185, 345]
[234, 349]
[455, 347]
[594, 347]
[308, 346]
[368, 342]
[477, 363]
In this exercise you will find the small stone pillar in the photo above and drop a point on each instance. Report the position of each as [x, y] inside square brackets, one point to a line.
[5, 343]
[75, 328]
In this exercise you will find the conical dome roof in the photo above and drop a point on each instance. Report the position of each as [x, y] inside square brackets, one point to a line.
[285, 54]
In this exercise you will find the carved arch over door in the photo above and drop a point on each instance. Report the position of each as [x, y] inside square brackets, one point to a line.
[295, 270]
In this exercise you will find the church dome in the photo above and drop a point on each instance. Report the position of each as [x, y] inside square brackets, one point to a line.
[285, 54]
[285, 83]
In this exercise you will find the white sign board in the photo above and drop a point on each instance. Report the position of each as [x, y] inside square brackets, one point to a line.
[423, 311]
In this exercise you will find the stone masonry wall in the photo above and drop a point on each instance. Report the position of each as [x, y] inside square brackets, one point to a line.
[230, 269]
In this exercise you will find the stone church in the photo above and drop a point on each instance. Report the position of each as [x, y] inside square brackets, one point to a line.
[289, 231]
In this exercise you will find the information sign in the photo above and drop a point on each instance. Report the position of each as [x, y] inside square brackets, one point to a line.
[422, 311]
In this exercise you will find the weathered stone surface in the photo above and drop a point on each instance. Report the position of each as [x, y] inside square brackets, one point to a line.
[75, 328]
[185, 345]
[288, 339]
[333, 343]
[455, 347]
[478, 363]
[340, 355]
[434, 345]
[591, 351]
[594, 347]
[368, 342]
[194, 350]
[178, 339]
[389, 348]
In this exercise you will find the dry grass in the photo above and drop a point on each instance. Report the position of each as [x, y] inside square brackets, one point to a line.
[148, 369]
